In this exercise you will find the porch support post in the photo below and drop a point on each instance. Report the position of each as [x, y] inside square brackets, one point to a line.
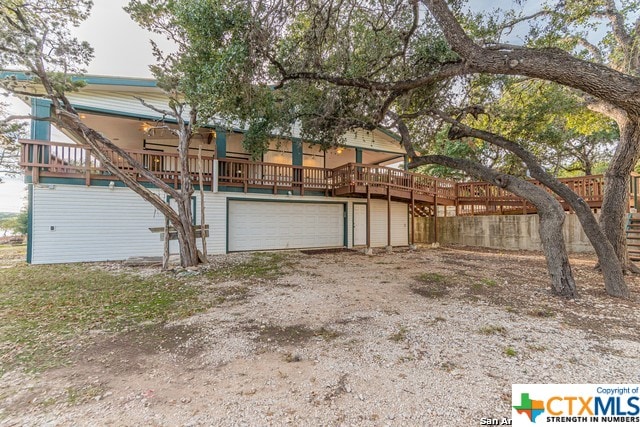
[87, 166]
[358, 155]
[413, 219]
[435, 218]
[368, 219]
[389, 219]
[297, 160]
[296, 151]
[40, 129]
[221, 143]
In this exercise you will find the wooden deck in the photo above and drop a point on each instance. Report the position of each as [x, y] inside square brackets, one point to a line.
[43, 159]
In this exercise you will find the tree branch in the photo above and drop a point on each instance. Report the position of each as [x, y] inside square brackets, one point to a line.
[619, 89]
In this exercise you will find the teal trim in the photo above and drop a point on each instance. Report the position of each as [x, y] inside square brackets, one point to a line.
[124, 114]
[221, 143]
[285, 192]
[296, 152]
[81, 181]
[120, 184]
[345, 228]
[376, 150]
[242, 199]
[30, 225]
[115, 81]
[358, 155]
[193, 208]
[391, 134]
[406, 163]
[40, 129]
[88, 79]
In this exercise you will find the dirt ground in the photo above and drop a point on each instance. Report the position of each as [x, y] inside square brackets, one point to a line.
[429, 337]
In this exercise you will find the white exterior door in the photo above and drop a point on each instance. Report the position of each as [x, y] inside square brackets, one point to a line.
[359, 224]
[261, 225]
[399, 223]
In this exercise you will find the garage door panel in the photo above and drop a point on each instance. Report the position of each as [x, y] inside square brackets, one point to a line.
[263, 225]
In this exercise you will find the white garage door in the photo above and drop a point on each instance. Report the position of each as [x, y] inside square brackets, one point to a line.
[284, 225]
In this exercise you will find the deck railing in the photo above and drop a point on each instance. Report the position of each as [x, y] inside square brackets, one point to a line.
[248, 174]
[357, 174]
[63, 160]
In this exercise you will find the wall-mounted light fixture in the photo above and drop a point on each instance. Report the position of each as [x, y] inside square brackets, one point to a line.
[339, 150]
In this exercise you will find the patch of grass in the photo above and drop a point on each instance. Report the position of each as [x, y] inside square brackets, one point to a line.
[543, 312]
[489, 282]
[400, 335]
[79, 395]
[46, 309]
[484, 283]
[510, 352]
[430, 278]
[493, 330]
[431, 285]
[262, 265]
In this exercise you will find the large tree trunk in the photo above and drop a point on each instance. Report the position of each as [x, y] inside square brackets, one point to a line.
[186, 234]
[549, 210]
[551, 220]
[616, 190]
[612, 268]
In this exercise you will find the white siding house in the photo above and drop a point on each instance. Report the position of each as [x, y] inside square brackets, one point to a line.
[80, 216]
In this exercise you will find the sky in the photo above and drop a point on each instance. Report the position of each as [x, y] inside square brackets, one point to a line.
[121, 49]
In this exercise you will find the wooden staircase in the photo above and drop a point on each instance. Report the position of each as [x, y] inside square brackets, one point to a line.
[422, 210]
[633, 236]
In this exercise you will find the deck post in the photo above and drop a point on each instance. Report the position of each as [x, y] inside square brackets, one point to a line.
[413, 218]
[457, 204]
[87, 167]
[214, 178]
[435, 218]
[35, 174]
[388, 218]
[634, 180]
[368, 218]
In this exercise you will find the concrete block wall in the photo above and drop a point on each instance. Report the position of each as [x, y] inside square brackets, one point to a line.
[515, 232]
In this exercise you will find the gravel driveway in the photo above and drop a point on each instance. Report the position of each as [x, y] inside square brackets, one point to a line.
[433, 337]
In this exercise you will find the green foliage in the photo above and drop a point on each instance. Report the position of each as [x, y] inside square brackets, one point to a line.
[548, 120]
[261, 265]
[17, 223]
[36, 36]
